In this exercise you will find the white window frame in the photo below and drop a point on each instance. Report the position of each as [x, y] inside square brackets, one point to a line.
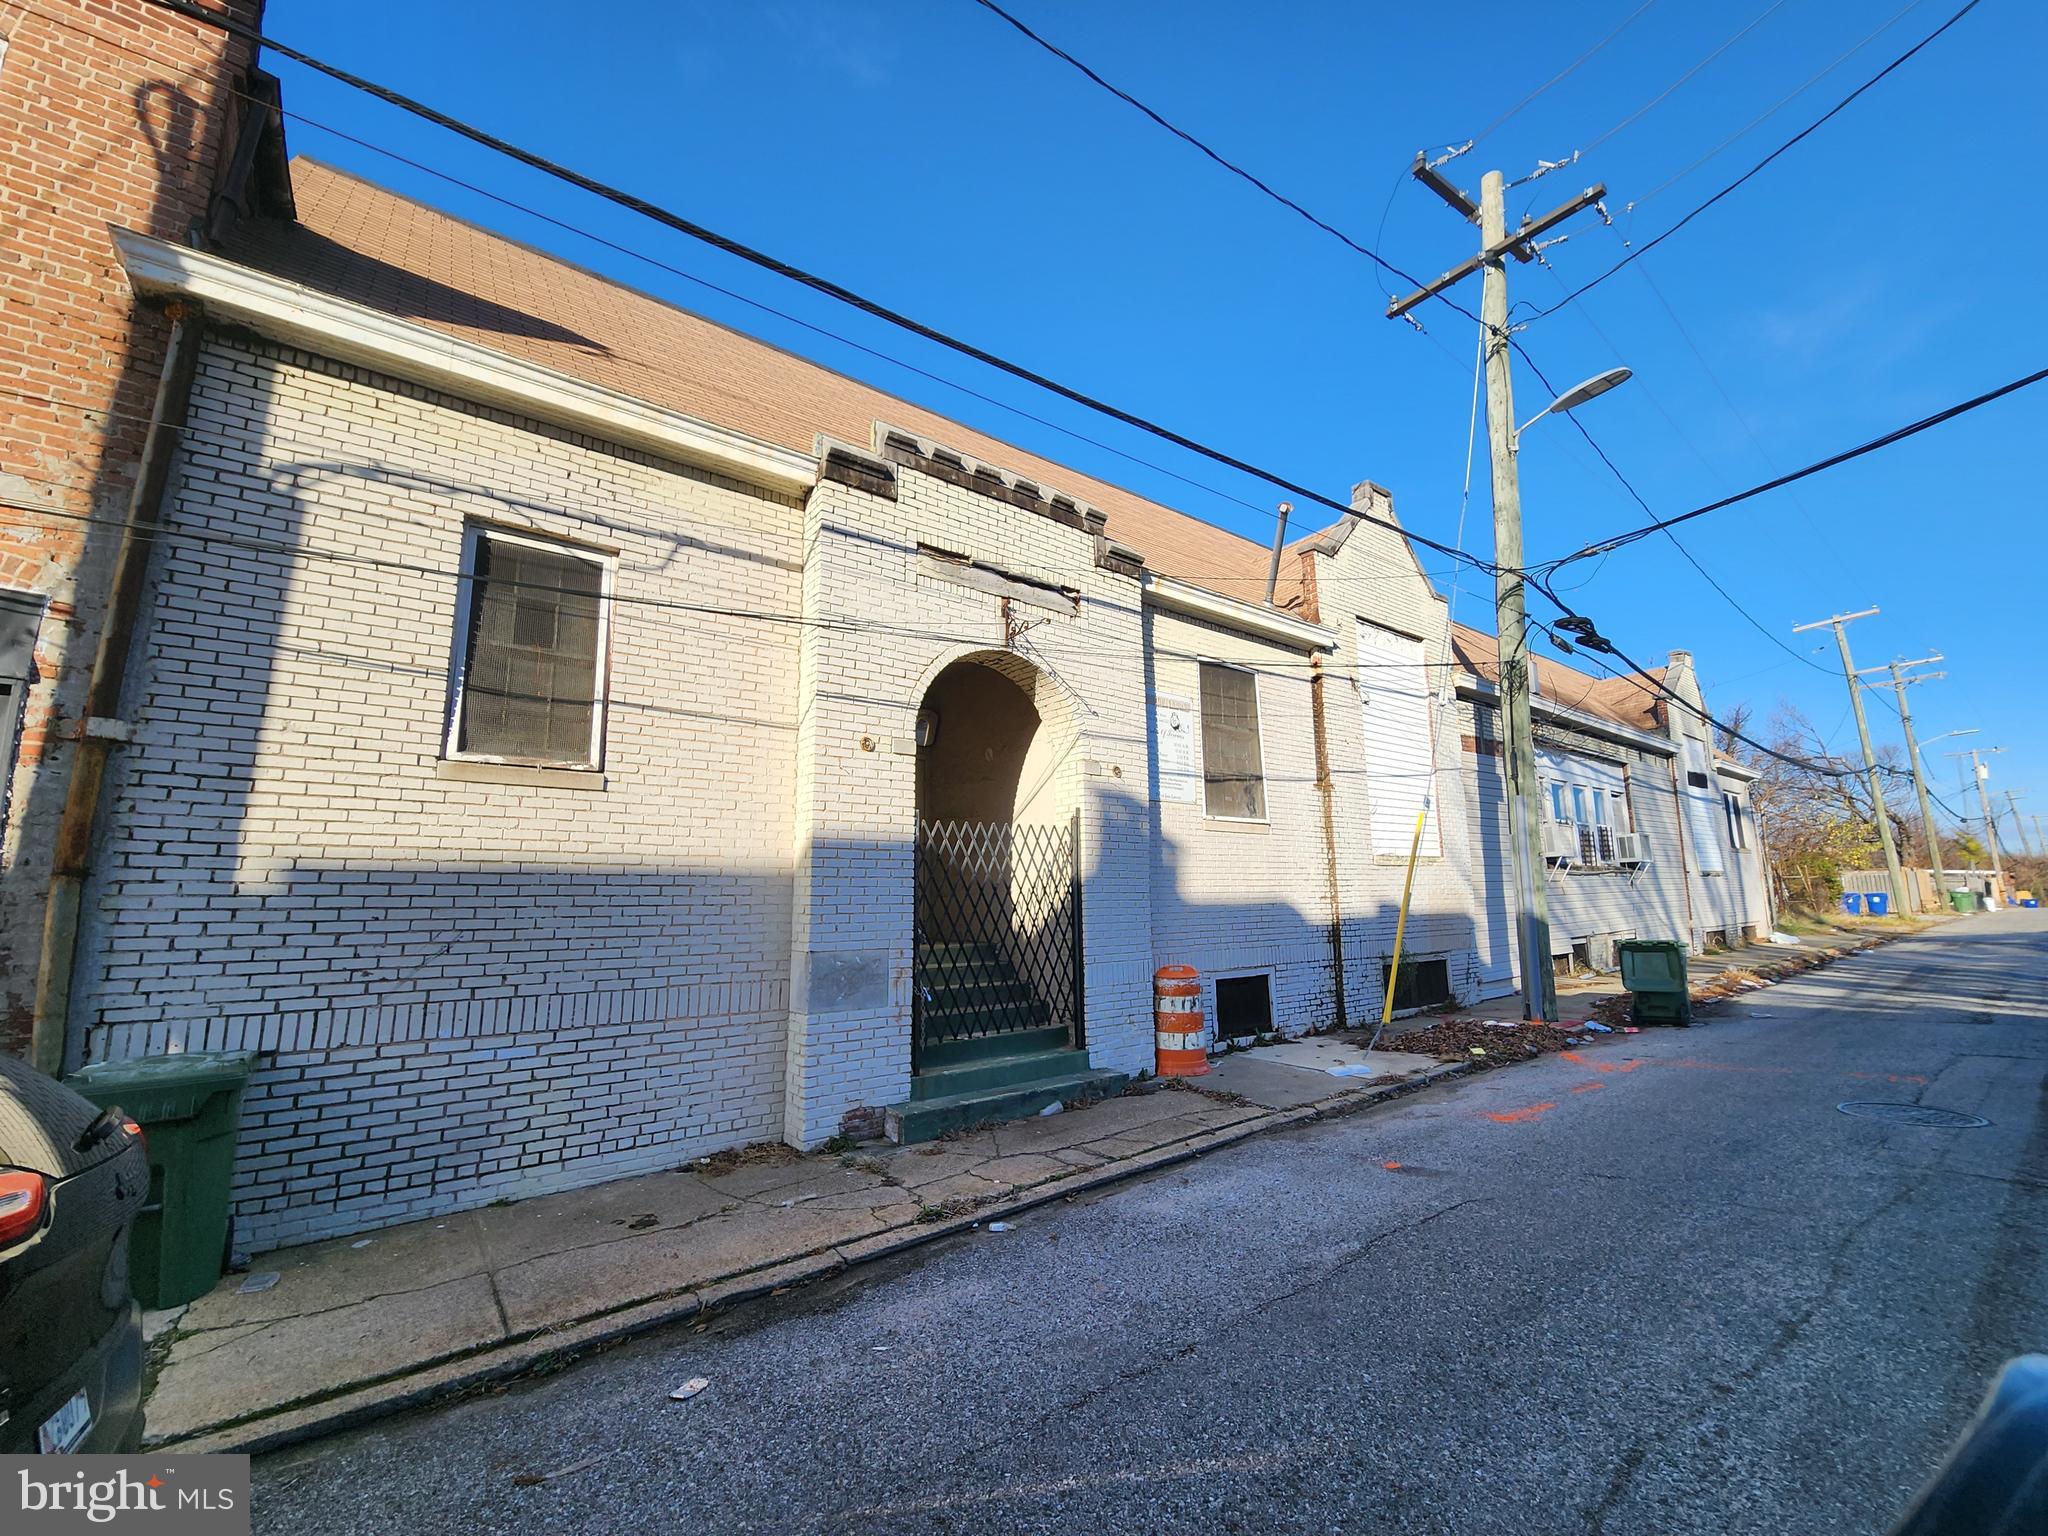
[1586, 807]
[1258, 705]
[473, 534]
[1738, 833]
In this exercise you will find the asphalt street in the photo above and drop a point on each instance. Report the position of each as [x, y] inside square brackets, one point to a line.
[1668, 1287]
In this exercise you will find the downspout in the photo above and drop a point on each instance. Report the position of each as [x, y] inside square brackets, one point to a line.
[1684, 864]
[1326, 788]
[100, 725]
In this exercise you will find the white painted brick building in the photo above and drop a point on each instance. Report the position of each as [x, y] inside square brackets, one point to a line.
[546, 697]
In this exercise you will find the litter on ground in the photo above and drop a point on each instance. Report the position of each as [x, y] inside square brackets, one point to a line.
[255, 1283]
[685, 1392]
[535, 1479]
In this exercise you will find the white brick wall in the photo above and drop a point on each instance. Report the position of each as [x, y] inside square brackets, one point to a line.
[465, 990]
[472, 989]
[1240, 897]
[880, 631]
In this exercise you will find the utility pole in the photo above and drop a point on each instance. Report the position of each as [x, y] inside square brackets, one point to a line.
[1525, 832]
[1900, 682]
[1884, 822]
[2012, 795]
[1979, 772]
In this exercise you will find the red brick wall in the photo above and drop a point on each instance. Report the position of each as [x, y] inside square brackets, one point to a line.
[112, 112]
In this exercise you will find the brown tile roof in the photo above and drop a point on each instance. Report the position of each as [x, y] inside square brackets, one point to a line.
[361, 242]
[1623, 700]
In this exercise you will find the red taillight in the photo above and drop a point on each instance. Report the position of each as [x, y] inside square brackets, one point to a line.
[134, 1130]
[22, 1198]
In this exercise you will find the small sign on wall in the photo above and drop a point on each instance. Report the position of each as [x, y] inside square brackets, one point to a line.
[1175, 773]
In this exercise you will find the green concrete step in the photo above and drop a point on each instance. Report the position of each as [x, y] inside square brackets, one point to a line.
[927, 1119]
[974, 991]
[944, 1023]
[941, 1054]
[996, 1070]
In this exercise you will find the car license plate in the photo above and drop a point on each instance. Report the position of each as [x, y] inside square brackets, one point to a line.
[65, 1428]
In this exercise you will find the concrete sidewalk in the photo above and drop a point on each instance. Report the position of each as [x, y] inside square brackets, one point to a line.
[353, 1328]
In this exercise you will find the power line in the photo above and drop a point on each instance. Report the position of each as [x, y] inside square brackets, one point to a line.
[1239, 171]
[1808, 130]
[764, 308]
[1656, 100]
[1658, 685]
[1705, 575]
[781, 268]
[1779, 105]
[1625, 23]
[1522, 351]
[1220, 159]
[1885, 440]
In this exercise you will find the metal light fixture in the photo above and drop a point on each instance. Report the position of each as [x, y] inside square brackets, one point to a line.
[1576, 396]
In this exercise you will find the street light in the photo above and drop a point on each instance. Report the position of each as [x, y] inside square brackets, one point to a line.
[1573, 398]
[1511, 626]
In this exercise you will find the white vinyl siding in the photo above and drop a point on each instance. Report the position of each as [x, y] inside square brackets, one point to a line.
[1703, 812]
[1400, 767]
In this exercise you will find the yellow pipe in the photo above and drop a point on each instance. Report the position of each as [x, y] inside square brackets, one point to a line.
[1401, 924]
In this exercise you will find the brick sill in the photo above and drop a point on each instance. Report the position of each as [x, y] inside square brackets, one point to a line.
[465, 770]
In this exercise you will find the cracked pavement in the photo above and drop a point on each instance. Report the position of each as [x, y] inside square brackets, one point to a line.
[1688, 1296]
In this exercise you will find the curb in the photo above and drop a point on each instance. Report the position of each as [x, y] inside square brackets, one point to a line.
[352, 1407]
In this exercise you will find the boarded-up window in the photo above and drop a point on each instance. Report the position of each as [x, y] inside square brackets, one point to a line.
[530, 674]
[1233, 770]
[1400, 767]
[1702, 810]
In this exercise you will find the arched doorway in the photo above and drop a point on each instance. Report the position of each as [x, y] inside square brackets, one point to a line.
[997, 959]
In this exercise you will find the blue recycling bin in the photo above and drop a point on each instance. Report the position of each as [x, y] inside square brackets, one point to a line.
[1880, 903]
[1852, 903]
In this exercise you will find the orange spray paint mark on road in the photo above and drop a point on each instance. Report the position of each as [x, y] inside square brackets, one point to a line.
[1390, 1166]
[1599, 1066]
[1588, 1087]
[1517, 1116]
[1887, 1077]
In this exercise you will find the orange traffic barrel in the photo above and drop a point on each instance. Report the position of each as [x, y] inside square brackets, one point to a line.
[1177, 1021]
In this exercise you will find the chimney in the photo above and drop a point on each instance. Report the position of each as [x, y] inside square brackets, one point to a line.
[1373, 499]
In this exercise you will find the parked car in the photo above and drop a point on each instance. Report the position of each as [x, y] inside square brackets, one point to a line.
[72, 1178]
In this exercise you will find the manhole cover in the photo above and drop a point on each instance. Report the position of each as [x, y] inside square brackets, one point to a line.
[1914, 1114]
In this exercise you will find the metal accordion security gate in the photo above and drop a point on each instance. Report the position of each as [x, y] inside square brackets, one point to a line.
[997, 933]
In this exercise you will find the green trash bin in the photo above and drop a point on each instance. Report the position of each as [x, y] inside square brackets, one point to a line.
[1654, 972]
[188, 1105]
[1963, 901]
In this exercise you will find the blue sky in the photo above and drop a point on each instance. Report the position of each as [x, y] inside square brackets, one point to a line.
[924, 154]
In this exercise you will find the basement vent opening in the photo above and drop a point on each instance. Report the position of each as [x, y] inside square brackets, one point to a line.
[1244, 1006]
[1423, 984]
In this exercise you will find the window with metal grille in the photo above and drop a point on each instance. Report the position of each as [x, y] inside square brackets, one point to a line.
[1233, 767]
[1244, 1006]
[532, 629]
